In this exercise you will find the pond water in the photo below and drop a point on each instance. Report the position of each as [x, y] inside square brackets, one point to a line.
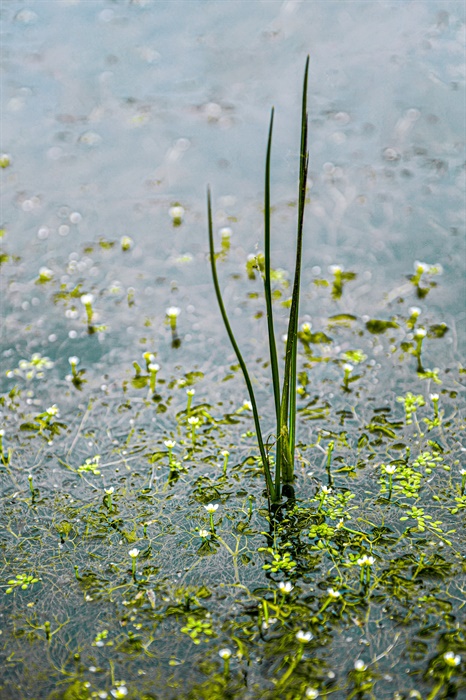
[114, 114]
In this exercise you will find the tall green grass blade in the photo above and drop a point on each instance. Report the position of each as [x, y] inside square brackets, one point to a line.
[267, 285]
[271, 488]
[288, 404]
[268, 302]
[304, 155]
[304, 163]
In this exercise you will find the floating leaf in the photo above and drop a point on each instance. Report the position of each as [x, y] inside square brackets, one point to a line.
[376, 326]
[344, 320]
[438, 330]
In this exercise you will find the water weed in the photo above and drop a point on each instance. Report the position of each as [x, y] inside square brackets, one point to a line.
[284, 399]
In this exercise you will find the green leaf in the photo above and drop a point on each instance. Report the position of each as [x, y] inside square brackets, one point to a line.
[376, 326]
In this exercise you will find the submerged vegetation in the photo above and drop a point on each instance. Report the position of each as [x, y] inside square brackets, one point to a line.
[140, 558]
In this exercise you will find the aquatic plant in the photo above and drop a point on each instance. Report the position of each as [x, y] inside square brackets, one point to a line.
[285, 397]
[86, 301]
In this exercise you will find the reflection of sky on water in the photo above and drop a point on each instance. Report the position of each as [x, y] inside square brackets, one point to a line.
[118, 109]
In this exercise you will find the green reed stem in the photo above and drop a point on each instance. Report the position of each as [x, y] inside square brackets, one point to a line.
[267, 285]
[274, 494]
[288, 405]
[268, 302]
[285, 407]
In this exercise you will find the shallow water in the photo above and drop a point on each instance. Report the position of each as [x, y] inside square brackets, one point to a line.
[113, 112]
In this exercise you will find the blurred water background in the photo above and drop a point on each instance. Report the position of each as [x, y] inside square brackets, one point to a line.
[115, 110]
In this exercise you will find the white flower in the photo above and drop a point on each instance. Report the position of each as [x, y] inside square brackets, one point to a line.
[169, 443]
[312, 693]
[133, 553]
[359, 665]
[211, 507]
[120, 692]
[434, 397]
[463, 472]
[173, 311]
[193, 420]
[102, 694]
[303, 637]
[268, 623]
[366, 561]
[306, 327]
[326, 489]
[247, 405]
[53, 410]
[415, 311]
[190, 392]
[451, 658]
[176, 212]
[204, 533]
[225, 653]
[285, 587]
[332, 593]
[390, 468]
[335, 269]
[421, 266]
[126, 242]
[224, 453]
[45, 273]
[420, 333]
[87, 299]
[225, 232]
[347, 367]
[110, 490]
[73, 360]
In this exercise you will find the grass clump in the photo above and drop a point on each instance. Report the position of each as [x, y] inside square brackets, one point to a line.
[285, 395]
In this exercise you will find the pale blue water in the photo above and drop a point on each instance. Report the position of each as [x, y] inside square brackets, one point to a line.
[116, 110]
[177, 94]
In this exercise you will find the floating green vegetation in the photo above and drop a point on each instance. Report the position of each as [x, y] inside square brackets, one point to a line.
[139, 557]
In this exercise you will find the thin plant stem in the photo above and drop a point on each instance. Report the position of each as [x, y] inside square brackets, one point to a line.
[331, 447]
[267, 286]
[303, 169]
[268, 302]
[274, 494]
[288, 405]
